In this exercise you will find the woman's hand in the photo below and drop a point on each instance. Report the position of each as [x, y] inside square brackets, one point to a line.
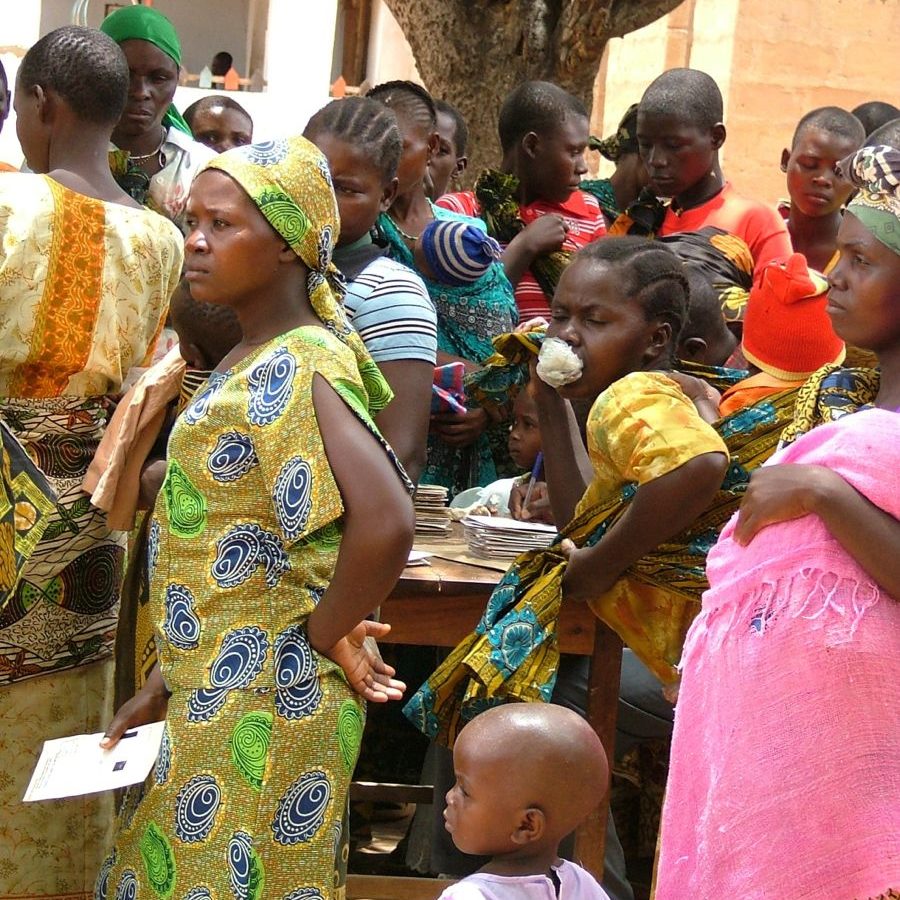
[671, 691]
[780, 493]
[368, 674]
[544, 235]
[149, 704]
[538, 509]
[581, 580]
[537, 323]
[460, 429]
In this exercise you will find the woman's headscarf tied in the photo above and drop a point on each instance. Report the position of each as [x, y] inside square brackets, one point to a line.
[289, 181]
[143, 23]
[623, 141]
[876, 172]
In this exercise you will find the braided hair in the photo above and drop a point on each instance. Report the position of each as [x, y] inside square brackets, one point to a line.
[365, 123]
[85, 67]
[650, 274]
[408, 99]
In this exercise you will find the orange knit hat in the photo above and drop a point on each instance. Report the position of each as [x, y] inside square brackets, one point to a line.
[787, 332]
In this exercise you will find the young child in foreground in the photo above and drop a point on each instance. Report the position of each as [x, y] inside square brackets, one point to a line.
[524, 448]
[527, 775]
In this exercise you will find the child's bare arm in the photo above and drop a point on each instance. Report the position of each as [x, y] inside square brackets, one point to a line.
[378, 522]
[660, 509]
[870, 535]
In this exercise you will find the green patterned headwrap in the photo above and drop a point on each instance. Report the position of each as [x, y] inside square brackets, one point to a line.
[143, 23]
[623, 141]
[876, 172]
[290, 183]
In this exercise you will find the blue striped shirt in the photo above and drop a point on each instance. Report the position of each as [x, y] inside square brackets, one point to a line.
[391, 311]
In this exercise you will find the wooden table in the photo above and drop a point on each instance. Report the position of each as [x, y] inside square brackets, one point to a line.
[441, 603]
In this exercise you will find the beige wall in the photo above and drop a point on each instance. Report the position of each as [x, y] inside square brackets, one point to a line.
[774, 62]
[204, 26]
[389, 56]
[792, 58]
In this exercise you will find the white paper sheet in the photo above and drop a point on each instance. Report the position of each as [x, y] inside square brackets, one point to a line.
[77, 765]
[418, 558]
[500, 523]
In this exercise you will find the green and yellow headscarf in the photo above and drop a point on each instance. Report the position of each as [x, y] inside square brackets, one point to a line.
[143, 23]
[876, 172]
[289, 181]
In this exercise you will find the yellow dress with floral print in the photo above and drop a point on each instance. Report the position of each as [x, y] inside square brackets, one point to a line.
[262, 733]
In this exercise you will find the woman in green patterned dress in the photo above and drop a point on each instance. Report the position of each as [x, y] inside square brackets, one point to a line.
[282, 522]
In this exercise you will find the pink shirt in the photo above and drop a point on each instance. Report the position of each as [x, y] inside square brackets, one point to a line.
[575, 884]
[760, 226]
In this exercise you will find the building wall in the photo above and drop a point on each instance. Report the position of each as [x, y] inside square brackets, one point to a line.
[204, 26]
[298, 53]
[19, 33]
[390, 57]
[774, 62]
[792, 58]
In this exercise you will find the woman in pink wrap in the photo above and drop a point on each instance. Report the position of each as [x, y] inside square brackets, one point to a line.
[785, 772]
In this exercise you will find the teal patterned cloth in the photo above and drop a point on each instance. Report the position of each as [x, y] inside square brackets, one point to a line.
[468, 318]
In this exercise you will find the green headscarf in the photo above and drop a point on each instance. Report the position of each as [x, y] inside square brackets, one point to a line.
[876, 172]
[289, 181]
[143, 23]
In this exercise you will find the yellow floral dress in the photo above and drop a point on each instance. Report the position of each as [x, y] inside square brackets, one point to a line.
[262, 733]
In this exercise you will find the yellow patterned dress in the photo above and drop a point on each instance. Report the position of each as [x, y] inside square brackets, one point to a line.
[84, 289]
[262, 732]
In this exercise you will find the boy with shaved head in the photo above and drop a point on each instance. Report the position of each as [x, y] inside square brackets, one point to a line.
[680, 133]
[527, 774]
[821, 139]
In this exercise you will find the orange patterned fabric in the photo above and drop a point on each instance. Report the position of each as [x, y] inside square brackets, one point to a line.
[85, 288]
[60, 345]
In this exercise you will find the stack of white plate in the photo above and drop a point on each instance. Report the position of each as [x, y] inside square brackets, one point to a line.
[494, 537]
[432, 514]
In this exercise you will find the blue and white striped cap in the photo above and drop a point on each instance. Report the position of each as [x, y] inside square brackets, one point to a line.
[458, 253]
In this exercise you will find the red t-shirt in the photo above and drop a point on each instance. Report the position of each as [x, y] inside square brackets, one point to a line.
[583, 218]
[760, 226]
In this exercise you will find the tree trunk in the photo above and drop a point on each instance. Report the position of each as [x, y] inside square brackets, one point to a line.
[471, 53]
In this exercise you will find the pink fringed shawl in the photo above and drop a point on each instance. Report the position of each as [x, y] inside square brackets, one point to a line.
[785, 773]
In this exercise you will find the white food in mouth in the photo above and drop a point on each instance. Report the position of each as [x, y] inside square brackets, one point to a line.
[557, 363]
